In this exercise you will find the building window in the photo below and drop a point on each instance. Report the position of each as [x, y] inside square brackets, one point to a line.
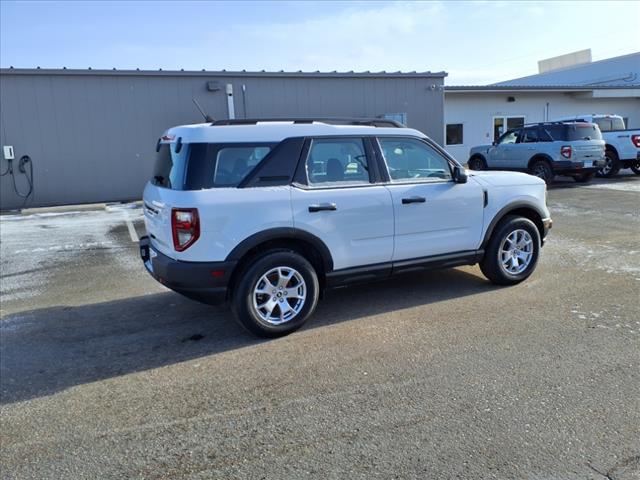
[454, 134]
[504, 124]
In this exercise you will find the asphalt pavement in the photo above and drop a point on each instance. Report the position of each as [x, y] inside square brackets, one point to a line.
[106, 374]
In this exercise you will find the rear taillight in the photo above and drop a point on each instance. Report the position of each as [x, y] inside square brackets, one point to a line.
[566, 151]
[185, 227]
[635, 139]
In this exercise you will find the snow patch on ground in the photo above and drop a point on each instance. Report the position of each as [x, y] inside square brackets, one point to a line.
[622, 187]
[589, 257]
[33, 245]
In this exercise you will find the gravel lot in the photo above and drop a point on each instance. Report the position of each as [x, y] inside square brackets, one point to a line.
[106, 374]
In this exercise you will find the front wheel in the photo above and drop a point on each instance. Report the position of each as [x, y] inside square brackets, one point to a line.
[512, 253]
[276, 294]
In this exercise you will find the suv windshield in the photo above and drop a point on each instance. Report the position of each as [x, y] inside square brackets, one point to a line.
[569, 132]
[207, 165]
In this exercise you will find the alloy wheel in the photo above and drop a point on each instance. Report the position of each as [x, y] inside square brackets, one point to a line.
[279, 295]
[516, 252]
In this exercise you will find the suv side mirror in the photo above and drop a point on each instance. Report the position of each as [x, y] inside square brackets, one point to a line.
[459, 174]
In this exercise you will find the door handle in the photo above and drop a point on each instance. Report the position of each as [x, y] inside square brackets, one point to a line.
[322, 207]
[406, 201]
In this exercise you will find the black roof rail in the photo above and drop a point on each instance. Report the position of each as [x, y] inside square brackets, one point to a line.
[559, 122]
[367, 122]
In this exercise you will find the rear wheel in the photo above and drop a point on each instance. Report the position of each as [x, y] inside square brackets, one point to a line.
[477, 163]
[584, 177]
[513, 250]
[276, 294]
[636, 168]
[611, 165]
[542, 169]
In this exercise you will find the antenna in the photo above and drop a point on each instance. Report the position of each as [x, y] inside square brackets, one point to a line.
[207, 118]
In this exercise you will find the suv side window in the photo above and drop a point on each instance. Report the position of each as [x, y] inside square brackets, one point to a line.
[529, 135]
[509, 137]
[337, 161]
[552, 133]
[410, 160]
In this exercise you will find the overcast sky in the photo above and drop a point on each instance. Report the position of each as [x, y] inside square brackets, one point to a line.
[475, 42]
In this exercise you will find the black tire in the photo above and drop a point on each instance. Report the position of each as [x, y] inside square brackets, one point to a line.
[242, 300]
[477, 163]
[612, 165]
[635, 168]
[491, 264]
[542, 169]
[584, 177]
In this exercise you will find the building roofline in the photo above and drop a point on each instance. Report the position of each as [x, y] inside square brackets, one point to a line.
[219, 73]
[568, 67]
[536, 88]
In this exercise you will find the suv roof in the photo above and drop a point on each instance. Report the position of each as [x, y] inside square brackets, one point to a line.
[276, 130]
[368, 122]
[558, 122]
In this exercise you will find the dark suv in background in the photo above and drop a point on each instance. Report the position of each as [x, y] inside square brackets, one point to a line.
[545, 150]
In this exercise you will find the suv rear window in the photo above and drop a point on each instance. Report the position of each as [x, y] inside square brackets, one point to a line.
[607, 124]
[570, 132]
[207, 165]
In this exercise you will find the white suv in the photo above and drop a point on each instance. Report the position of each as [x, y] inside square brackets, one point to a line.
[267, 214]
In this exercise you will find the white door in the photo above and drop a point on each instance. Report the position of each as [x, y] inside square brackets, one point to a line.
[433, 214]
[341, 206]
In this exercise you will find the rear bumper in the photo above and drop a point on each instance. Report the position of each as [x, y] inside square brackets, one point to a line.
[206, 282]
[571, 168]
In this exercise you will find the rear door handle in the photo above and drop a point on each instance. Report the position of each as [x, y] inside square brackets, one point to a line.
[322, 207]
[406, 201]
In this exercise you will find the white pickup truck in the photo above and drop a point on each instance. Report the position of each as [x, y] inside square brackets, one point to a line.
[622, 145]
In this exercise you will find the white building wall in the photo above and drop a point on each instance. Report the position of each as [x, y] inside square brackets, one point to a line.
[476, 110]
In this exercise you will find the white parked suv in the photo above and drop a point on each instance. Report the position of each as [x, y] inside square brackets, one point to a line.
[267, 214]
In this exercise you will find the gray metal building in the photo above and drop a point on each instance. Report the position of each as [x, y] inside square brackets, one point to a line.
[91, 134]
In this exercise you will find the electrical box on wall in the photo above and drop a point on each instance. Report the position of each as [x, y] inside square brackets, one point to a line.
[8, 152]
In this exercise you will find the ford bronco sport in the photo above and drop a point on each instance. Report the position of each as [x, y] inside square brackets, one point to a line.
[268, 214]
[545, 150]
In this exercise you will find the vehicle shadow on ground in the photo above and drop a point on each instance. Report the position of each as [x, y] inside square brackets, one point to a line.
[48, 350]
[568, 182]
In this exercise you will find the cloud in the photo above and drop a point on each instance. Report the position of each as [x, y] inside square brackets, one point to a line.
[355, 38]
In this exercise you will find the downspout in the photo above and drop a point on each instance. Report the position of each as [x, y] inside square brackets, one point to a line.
[230, 108]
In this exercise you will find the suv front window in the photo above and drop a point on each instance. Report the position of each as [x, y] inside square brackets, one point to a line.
[337, 161]
[509, 137]
[409, 160]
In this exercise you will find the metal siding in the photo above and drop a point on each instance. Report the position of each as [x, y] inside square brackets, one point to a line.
[92, 135]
